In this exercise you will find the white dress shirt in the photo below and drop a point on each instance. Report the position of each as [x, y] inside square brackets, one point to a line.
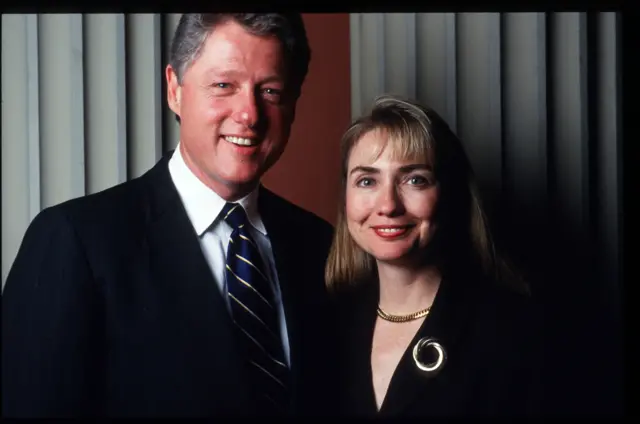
[203, 207]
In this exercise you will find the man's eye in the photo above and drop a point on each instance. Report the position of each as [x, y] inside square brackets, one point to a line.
[273, 94]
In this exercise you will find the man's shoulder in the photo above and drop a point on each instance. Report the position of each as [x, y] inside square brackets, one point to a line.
[294, 214]
[117, 204]
[124, 195]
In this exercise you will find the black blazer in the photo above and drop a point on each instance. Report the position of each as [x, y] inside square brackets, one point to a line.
[110, 309]
[491, 341]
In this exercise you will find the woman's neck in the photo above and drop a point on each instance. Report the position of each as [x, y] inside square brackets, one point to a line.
[405, 291]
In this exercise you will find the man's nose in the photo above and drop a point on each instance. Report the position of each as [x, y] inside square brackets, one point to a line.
[246, 109]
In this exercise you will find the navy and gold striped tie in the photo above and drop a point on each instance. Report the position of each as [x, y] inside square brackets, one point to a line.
[253, 310]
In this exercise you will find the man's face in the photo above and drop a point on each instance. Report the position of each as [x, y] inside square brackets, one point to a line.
[234, 108]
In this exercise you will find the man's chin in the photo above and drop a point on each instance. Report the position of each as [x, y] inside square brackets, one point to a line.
[241, 176]
[239, 187]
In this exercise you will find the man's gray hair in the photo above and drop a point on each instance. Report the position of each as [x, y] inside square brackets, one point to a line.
[194, 28]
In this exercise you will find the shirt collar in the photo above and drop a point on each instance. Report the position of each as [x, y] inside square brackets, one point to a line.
[203, 205]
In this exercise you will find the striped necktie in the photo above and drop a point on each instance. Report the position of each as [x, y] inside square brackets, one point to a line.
[254, 312]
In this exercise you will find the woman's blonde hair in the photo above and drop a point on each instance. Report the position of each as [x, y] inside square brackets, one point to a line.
[415, 131]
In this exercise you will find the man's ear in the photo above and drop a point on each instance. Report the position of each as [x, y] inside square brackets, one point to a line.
[174, 90]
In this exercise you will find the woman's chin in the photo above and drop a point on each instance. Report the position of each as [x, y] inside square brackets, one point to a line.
[393, 258]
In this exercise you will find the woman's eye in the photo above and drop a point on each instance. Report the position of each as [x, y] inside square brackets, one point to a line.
[365, 182]
[418, 180]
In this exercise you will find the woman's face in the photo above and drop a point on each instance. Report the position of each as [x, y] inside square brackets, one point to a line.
[390, 203]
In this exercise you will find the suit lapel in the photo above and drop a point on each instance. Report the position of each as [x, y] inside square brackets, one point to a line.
[181, 273]
[448, 317]
[285, 256]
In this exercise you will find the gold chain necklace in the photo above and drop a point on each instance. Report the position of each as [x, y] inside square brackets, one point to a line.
[403, 318]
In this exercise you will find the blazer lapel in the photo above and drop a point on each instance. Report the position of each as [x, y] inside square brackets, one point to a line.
[445, 323]
[356, 349]
[180, 272]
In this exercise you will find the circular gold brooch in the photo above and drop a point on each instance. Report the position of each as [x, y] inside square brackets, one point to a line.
[434, 366]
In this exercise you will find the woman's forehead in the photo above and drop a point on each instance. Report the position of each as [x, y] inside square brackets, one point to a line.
[381, 144]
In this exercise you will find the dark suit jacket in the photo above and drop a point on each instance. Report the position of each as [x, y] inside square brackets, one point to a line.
[110, 309]
[491, 344]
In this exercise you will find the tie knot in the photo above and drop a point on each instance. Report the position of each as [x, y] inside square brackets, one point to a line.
[234, 214]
